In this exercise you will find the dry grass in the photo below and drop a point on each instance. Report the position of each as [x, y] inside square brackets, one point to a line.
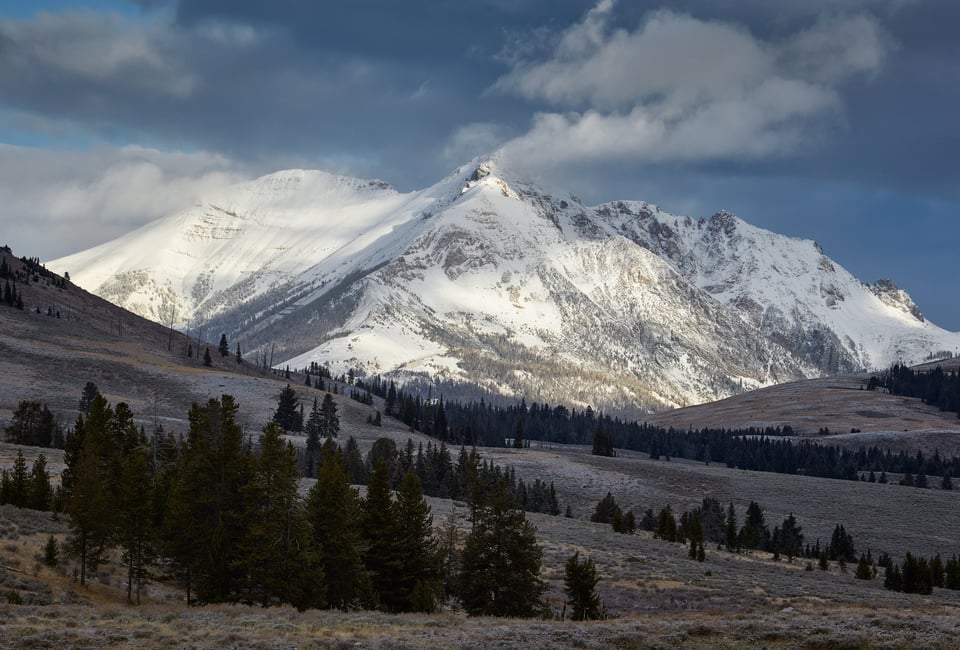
[657, 596]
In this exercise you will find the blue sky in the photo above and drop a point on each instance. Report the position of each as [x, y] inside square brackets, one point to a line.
[832, 120]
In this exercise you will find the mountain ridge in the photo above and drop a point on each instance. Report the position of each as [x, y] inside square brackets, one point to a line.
[485, 280]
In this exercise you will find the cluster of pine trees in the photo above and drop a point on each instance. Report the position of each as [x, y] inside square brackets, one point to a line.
[224, 516]
[936, 387]
[608, 512]
[32, 270]
[919, 575]
[710, 523]
[31, 488]
[34, 424]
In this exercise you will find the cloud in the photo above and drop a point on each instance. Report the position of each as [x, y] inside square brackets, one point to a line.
[58, 202]
[684, 89]
[92, 50]
[473, 140]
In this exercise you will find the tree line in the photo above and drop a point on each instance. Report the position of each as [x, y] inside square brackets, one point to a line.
[479, 423]
[936, 387]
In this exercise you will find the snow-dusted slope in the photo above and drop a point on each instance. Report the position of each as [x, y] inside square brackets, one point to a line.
[484, 280]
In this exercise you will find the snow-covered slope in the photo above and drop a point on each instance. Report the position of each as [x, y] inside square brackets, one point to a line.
[483, 280]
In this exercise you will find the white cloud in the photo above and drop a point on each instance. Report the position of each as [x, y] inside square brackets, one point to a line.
[59, 202]
[683, 89]
[473, 140]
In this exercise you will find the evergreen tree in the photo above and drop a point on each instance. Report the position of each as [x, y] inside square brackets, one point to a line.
[602, 444]
[238, 356]
[952, 573]
[841, 545]
[418, 549]
[518, 436]
[204, 509]
[380, 529]
[390, 404]
[791, 537]
[892, 578]
[287, 414]
[666, 525]
[135, 533]
[90, 391]
[19, 489]
[224, 347]
[580, 585]
[207, 359]
[40, 494]
[51, 552]
[329, 420]
[500, 573]
[695, 536]
[89, 505]
[605, 510]
[274, 553]
[755, 534]
[32, 424]
[333, 510]
[730, 526]
[864, 569]
[312, 430]
[353, 462]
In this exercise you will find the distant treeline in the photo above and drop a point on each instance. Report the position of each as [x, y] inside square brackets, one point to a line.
[481, 424]
[935, 387]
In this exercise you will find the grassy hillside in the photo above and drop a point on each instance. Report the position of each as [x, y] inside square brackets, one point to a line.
[656, 595]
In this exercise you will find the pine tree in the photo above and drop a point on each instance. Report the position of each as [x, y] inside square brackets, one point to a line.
[606, 510]
[32, 424]
[353, 463]
[731, 528]
[754, 534]
[418, 549]
[390, 405]
[791, 537]
[19, 489]
[135, 533]
[333, 510]
[90, 391]
[602, 444]
[312, 430]
[580, 585]
[51, 552]
[287, 414]
[207, 360]
[274, 553]
[329, 420]
[238, 356]
[224, 347]
[203, 523]
[500, 573]
[380, 529]
[40, 494]
[666, 525]
[90, 506]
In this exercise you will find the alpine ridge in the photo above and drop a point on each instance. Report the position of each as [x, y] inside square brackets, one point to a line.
[484, 281]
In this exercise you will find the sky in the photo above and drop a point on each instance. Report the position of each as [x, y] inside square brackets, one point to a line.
[832, 120]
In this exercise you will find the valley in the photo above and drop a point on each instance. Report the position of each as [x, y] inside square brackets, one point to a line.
[655, 595]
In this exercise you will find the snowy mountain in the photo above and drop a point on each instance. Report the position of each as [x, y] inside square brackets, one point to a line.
[485, 280]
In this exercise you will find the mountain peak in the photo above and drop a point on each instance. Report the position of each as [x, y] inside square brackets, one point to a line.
[890, 294]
